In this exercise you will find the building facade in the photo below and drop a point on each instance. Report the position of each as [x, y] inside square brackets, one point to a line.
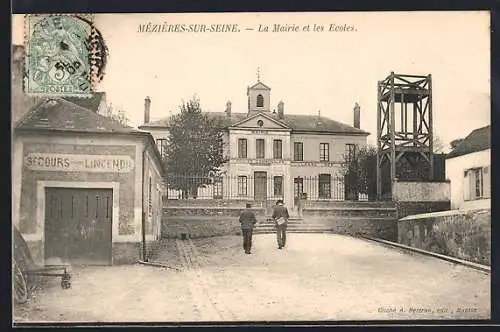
[468, 167]
[84, 187]
[274, 155]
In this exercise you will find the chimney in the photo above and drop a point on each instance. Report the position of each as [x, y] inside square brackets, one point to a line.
[228, 109]
[281, 110]
[356, 116]
[318, 122]
[147, 106]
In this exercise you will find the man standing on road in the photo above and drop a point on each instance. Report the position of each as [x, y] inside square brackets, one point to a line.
[280, 217]
[247, 221]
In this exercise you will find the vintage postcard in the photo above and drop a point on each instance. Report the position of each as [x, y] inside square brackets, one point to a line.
[251, 167]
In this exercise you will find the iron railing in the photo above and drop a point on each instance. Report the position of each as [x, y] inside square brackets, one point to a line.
[259, 188]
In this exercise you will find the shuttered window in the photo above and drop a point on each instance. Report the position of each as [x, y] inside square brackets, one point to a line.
[242, 148]
[260, 150]
[477, 183]
[277, 149]
[486, 182]
[324, 152]
[298, 151]
[466, 185]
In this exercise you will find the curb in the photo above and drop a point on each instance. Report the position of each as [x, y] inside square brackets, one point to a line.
[157, 264]
[477, 266]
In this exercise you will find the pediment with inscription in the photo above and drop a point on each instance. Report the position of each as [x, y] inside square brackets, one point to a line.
[261, 121]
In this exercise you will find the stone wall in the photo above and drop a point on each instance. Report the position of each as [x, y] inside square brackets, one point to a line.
[206, 222]
[461, 234]
[196, 227]
[421, 191]
[36, 251]
[417, 197]
[413, 208]
[126, 252]
[378, 227]
[130, 252]
[203, 221]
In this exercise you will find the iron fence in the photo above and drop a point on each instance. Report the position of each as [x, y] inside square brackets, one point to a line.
[261, 187]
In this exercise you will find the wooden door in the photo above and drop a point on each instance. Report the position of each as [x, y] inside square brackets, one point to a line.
[260, 186]
[78, 225]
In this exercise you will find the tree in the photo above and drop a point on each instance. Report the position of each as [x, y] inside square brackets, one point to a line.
[194, 152]
[360, 172]
[455, 142]
[116, 114]
[438, 145]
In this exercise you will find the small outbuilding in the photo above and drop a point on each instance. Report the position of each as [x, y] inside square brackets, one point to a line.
[468, 167]
[85, 187]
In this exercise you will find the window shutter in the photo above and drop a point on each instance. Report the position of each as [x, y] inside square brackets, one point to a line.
[486, 182]
[466, 187]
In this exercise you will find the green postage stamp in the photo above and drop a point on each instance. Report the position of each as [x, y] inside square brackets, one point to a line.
[59, 55]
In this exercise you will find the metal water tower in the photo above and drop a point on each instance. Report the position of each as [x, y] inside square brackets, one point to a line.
[404, 130]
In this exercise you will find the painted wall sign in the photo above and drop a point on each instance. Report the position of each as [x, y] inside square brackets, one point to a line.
[78, 162]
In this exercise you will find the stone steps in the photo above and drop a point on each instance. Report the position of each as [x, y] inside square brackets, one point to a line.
[351, 212]
[320, 225]
[320, 219]
[270, 231]
[348, 204]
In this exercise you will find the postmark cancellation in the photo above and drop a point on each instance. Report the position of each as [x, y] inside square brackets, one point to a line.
[65, 55]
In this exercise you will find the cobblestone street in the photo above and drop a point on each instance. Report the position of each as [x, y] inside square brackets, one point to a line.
[316, 277]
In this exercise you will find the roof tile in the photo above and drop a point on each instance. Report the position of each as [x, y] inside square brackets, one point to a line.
[478, 140]
[62, 115]
[300, 123]
[91, 103]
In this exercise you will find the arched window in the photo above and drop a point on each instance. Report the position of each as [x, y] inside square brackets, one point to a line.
[260, 101]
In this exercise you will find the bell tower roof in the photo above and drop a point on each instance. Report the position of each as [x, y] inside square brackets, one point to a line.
[260, 86]
[259, 96]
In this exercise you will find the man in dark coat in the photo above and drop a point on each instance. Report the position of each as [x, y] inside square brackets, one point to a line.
[280, 217]
[247, 221]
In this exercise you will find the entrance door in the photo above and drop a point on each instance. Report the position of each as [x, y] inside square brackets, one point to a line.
[298, 187]
[260, 186]
[78, 225]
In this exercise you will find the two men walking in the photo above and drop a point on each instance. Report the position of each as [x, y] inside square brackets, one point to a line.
[247, 220]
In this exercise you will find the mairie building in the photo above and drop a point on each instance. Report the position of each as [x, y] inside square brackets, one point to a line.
[275, 155]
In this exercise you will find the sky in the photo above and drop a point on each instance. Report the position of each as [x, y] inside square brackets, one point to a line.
[309, 71]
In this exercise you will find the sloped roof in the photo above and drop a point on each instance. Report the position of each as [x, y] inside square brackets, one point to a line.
[260, 86]
[58, 114]
[314, 123]
[478, 140]
[298, 123]
[91, 103]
